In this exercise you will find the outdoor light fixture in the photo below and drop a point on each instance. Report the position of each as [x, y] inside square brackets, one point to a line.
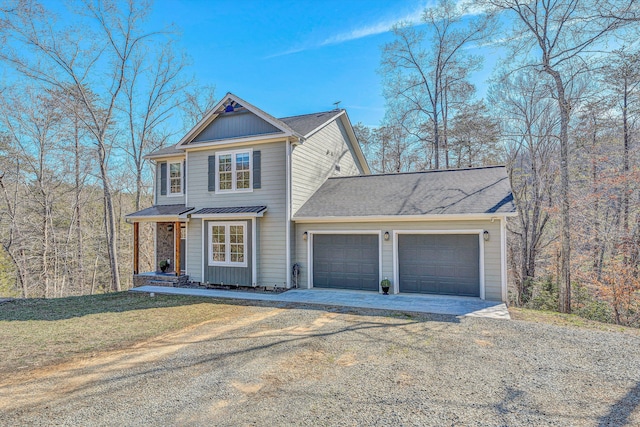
[386, 235]
[170, 228]
[485, 234]
[305, 235]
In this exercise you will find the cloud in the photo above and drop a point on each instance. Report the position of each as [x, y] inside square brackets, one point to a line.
[373, 29]
[382, 26]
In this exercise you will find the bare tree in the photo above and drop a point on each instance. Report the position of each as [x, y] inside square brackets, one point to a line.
[424, 70]
[561, 32]
[152, 92]
[529, 125]
[622, 76]
[94, 63]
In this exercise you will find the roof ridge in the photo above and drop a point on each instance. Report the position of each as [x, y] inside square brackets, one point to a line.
[310, 114]
[419, 172]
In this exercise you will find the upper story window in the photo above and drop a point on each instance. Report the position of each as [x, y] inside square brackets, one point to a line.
[175, 178]
[234, 170]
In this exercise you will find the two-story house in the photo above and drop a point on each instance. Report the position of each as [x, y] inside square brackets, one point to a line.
[247, 199]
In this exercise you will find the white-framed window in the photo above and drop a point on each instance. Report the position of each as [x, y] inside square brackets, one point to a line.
[228, 244]
[234, 171]
[174, 178]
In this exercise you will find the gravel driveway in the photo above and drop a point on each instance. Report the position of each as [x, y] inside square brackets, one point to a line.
[304, 366]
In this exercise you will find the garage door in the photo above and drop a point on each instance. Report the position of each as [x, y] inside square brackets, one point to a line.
[446, 264]
[345, 261]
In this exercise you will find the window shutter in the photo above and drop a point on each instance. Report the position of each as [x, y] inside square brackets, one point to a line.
[184, 177]
[163, 178]
[257, 183]
[212, 173]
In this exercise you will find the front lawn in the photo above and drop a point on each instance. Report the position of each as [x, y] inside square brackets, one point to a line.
[39, 332]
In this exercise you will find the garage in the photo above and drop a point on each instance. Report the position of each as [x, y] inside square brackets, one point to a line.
[445, 264]
[346, 261]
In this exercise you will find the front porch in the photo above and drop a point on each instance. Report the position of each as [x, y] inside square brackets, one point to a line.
[169, 234]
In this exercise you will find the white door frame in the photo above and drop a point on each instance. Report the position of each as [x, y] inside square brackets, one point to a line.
[310, 234]
[396, 267]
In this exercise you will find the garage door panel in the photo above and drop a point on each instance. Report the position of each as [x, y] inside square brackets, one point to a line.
[445, 264]
[346, 261]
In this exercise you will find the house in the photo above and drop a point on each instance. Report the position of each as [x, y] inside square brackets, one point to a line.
[244, 197]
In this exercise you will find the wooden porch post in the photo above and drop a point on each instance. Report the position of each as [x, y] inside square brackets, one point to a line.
[136, 246]
[176, 245]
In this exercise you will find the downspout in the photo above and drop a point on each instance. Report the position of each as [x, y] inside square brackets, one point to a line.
[288, 215]
[289, 208]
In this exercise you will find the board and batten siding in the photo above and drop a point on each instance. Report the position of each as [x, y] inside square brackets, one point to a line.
[492, 247]
[235, 125]
[314, 161]
[271, 230]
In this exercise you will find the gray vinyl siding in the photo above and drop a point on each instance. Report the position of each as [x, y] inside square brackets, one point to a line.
[271, 236]
[166, 200]
[235, 125]
[492, 248]
[315, 160]
[194, 250]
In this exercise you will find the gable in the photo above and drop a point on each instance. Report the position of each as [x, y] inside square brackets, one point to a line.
[234, 119]
[235, 124]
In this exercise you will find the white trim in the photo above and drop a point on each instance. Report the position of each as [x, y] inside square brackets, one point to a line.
[227, 262]
[233, 154]
[169, 193]
[155, 182]
[400, 218]
[203, 261]
[186, 247]
[186, 181]
[235, 143]
[254, 251]
[263, 138]
[503, 258]
[479, 232]
[155, 247]
[288, 215]
[311, 233]
[355, 145]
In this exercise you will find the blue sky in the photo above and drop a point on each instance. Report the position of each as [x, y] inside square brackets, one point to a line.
[293, 57]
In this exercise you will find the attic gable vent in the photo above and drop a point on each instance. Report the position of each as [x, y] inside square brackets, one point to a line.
[230, 106]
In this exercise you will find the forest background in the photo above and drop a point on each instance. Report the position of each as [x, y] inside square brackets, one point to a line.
[91, 95]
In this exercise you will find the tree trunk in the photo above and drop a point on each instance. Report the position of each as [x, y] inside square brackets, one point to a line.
[565, 254]
[109, 219]
[78, 209]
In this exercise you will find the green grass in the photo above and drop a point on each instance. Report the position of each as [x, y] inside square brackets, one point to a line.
[40, 332]
[555, 318]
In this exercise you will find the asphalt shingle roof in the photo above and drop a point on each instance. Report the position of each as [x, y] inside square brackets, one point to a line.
[307, 122]
[160, 210]
[460, 191]
[167, 151]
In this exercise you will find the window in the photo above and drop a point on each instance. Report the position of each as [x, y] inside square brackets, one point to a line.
[227, 244]
[175, 178]
[234, 171]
